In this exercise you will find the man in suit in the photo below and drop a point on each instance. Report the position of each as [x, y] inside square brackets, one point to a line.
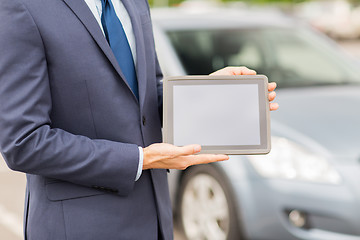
[80, 117]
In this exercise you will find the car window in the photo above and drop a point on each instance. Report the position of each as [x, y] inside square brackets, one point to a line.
[290, 57]
[204, 51]
[248, 54]
[301, 59]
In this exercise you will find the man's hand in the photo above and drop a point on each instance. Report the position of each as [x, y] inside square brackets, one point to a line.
[245, 71]
[163, 155]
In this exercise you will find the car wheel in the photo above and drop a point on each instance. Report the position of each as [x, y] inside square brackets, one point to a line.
[206, 209]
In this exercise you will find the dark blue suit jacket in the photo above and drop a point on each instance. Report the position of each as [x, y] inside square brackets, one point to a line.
[69, 120]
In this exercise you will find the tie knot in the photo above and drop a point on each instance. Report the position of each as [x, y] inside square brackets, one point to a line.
[104, 2]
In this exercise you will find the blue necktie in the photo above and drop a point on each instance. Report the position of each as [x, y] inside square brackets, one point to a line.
[116, 37]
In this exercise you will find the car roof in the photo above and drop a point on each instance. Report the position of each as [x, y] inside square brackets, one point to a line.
[219, 17]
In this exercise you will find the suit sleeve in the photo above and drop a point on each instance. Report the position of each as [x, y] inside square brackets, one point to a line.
[27, 141]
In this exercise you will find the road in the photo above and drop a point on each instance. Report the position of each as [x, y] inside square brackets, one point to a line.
[12, 185]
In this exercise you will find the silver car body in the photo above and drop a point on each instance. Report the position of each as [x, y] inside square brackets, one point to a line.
[317, 122]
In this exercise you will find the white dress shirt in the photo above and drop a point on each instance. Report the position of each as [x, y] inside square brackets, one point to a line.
[121, 12]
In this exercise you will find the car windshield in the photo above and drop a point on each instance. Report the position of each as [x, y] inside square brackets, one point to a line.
[290, 57]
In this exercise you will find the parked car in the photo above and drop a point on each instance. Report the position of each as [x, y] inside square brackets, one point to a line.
[308, 187]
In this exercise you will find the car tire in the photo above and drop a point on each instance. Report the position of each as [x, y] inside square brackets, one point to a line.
[206, 208]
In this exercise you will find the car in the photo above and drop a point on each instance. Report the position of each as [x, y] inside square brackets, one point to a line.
[308, 186]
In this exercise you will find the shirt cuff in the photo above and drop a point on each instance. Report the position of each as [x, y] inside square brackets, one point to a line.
[140, 166]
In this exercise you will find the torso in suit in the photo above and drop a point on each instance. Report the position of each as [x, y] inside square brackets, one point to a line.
[69, 120]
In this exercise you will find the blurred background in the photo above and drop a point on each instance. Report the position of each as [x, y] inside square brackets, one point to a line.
[307, 187]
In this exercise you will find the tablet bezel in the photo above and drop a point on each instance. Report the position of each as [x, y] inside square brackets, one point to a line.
[264, 112]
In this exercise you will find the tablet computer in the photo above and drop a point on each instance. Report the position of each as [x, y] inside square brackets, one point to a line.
[224, 114]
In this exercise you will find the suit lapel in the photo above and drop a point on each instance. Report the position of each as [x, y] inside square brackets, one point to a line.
[82, 11]
[140, 48]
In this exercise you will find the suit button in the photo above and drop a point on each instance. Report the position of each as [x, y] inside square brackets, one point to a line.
[143, 120]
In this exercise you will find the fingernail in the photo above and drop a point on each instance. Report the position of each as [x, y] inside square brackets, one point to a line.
[197, 148]
[225, 158]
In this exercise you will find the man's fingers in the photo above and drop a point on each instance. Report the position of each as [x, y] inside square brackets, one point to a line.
[272, 86]
[234, 71]
[272, 96]
[242, 71]
[206, 158]
[163, 155]
[187, 150]
[274, 106]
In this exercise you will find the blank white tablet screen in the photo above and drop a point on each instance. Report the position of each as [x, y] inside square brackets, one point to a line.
[216, 114]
